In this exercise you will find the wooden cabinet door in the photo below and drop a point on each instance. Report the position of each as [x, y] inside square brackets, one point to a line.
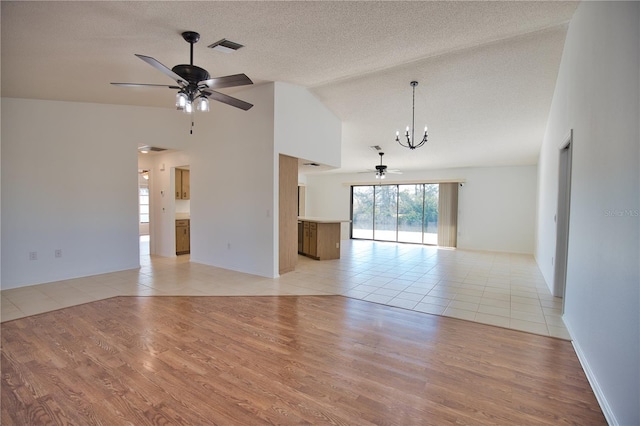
[313, 239]
[178, 184]
[300, 237]
[186, 184]
[183, 184]
[305, 238]
[183, 237]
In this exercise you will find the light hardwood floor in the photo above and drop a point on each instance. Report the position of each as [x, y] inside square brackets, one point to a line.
[501, 289]
[282, 360]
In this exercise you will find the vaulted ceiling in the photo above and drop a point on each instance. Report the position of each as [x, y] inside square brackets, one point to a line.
[486, 70]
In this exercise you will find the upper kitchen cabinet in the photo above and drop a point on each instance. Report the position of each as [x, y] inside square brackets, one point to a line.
[182, 184]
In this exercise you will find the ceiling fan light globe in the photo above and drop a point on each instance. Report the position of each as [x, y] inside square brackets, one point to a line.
[181, 100]
[203, 104]
[188, 108]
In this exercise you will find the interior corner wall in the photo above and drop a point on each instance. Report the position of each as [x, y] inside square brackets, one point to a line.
[233, 200]
[597, 95]
[69, 182]
[304, 127]
[496, 207]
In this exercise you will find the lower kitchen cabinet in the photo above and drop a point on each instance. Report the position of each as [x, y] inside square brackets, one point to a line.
[320, 240]
[183, 238]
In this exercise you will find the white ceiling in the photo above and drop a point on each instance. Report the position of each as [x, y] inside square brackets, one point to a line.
[486, 70]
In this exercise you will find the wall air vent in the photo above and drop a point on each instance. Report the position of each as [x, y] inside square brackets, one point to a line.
[225, 46]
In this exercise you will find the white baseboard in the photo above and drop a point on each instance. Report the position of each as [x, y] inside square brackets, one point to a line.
[602, 400]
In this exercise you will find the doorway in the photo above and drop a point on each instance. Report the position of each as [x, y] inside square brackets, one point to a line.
[562, 217]
[144, 211]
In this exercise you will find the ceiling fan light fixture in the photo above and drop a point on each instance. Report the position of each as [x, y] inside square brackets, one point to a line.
[181, 100]
[381, 169]
[188, 107]
[194, 84]
[203, 104]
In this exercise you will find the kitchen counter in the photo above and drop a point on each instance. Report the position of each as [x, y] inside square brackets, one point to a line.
[319, 238]
[321, 219]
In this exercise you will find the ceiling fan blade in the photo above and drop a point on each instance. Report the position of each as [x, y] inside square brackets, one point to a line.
[163, 69]
[144, 85]
[226, 99]
[227, 81]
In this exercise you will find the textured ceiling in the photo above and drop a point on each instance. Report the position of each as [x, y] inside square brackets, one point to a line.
[486, 70]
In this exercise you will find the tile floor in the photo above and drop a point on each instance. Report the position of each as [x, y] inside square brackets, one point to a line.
[501, 289]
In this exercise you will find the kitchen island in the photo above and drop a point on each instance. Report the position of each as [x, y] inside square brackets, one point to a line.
[319, 238]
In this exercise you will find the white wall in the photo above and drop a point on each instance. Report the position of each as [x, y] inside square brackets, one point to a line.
[234, 157]
[304, 127]
[597, 95]
[496, 205]
[232, 186]
[69, 182]
[91, 150]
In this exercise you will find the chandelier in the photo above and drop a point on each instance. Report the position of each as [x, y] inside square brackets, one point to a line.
[410, 139]
[381, 170]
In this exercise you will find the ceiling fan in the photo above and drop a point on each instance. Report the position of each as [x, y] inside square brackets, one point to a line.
[381, 169]
[194, 84]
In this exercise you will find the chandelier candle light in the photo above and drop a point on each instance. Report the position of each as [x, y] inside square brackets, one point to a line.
[411, 142]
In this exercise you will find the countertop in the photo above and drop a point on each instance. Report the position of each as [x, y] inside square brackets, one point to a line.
[321, 219]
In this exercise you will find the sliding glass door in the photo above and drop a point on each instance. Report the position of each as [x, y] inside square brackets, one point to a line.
[362, 212]
[385, 213]
[430, 218]
[400, 213]
[410, 212]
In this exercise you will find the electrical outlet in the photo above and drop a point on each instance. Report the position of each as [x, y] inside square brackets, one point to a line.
[337, 245]
[58, 253]
[33, 255]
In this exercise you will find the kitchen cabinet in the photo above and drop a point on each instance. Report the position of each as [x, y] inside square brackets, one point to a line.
[183, 236]
[183, 184]
[320, 239]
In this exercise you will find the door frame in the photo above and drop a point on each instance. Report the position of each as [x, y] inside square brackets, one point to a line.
[565, 154]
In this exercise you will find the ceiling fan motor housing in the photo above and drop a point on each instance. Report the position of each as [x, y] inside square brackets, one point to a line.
[191, 73]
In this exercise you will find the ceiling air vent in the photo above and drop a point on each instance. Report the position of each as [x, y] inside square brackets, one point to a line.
[376, 147]
[225, 46]
[312, 164]
[148, 148]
